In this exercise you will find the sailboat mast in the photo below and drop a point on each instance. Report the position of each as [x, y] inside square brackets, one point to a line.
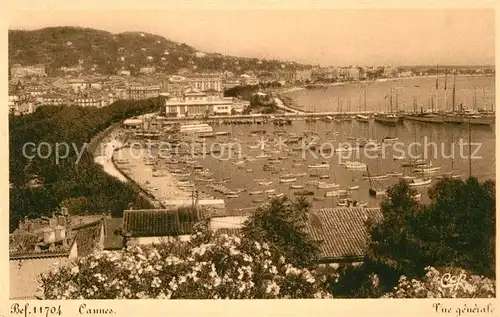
[445, 91]
[454, 77]
[365, 98]
[437, 86]
[390, 109]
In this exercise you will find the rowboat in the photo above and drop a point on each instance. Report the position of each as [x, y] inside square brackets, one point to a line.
[296, 186]
[328, 186]
[262, 156]
[324, 176]
[249, 170]
[270, 191]
[257, 192]
[355, 166]
[287, 180]
[297, 164]
[299, 175]
[312, 182]
[319, 166]
[265, 183]
[355, 187]
[232, 196]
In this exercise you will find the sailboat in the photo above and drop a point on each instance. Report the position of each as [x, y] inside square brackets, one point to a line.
[363, 118]
[390, 117]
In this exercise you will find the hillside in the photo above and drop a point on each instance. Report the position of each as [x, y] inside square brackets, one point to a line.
[58, 47]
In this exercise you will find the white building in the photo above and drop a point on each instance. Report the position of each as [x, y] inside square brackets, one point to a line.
[193, 102]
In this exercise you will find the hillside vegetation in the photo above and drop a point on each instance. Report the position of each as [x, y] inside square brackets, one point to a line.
[68, 46]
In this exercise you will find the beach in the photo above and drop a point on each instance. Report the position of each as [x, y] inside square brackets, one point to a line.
[163, 188]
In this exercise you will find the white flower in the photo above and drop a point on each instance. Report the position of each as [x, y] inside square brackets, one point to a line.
[75, 270]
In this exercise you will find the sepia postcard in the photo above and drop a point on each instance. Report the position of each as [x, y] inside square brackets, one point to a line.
[169, 158]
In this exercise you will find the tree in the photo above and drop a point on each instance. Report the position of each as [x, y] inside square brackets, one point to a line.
[394, 247]
[456, 230]
[207, 267]
[281, 224]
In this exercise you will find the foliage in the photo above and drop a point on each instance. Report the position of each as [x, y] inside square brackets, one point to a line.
[440, 284]
[281, 224]
[68, 46]
[67, 179]
[208, 267]
[456, 230]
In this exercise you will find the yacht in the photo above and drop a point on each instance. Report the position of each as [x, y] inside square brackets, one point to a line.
[323, 165]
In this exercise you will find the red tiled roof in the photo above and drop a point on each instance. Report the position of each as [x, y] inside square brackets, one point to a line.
[157, 223]
[342, 233]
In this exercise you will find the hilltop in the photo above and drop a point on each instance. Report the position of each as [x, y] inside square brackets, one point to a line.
[106, 53]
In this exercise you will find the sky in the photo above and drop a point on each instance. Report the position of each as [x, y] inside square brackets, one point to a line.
[327, 37]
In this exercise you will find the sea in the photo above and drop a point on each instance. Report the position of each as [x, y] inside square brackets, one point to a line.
[442, 145]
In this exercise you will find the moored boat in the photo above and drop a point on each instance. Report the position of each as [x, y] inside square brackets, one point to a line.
[287, 180]
[420, 182]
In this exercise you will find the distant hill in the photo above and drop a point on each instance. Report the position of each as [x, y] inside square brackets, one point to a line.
[107, 53]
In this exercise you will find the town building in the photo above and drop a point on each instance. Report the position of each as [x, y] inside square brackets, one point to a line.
[303, 75]
[18, 71]
[89, 102]
[206, 82]
[193, 102]
[143, 92]
[153, 226]
[38, 244]
[74, 69]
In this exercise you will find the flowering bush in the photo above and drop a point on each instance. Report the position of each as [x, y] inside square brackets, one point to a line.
[208, 266]
[453, 283]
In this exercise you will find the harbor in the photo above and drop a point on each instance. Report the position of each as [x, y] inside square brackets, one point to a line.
[331, 163]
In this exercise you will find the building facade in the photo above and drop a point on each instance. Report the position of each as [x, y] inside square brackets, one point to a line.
[204, 83]
[143, 92]
[193, 102]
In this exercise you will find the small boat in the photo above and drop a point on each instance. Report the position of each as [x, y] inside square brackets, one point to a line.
[420, 182]
[232, 196]
[313, 182]
[382, 176]
[428, 169]
[390, 139]
[355, 187]
[254, 193]
[296, 186]
[239, 162]
[395, 174]
[258, 180]
[327, 185]
[342, 203]
[333, 193]
[297, 164]
[299, 175]
[355, 166]
[265, 183]
[324, 176]
[274, 161]
[316, 198]
[414, 163]
[249, 170]
[287, 180]
[270, 191]
[220, 133]
[398, 157]
[324, 165]
[279, 195]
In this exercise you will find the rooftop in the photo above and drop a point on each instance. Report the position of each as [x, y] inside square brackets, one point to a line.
[342, 232]
[158, 222]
